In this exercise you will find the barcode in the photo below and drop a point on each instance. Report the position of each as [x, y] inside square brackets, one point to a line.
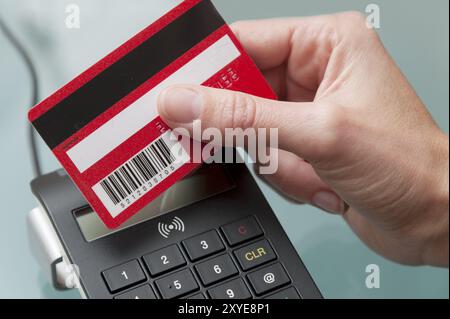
[141, 173]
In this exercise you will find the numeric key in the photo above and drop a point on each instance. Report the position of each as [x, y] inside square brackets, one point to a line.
[124, 275]
[216, 269]
[177, 284]
[164, 260]
[203, 245]
[143, 292]
[234, 289]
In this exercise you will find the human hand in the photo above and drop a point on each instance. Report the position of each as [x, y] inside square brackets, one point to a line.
[354, 137]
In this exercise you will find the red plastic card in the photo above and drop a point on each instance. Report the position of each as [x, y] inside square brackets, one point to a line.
[103, 126]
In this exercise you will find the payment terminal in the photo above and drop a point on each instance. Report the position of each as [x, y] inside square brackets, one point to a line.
[210, 236]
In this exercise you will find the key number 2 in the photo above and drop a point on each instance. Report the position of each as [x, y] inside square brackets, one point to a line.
[164, 259]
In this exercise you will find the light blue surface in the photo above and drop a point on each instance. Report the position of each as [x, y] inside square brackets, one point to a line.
[415, 32]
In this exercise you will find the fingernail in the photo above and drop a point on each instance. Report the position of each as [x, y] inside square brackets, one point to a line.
[328, 201]
[180, 105]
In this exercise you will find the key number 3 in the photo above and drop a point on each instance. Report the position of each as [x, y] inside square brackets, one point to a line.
[204, 245]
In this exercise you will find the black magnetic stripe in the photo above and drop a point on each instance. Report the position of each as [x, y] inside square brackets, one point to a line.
[132, 70]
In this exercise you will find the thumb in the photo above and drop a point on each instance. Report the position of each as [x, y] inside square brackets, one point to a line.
[180, 106]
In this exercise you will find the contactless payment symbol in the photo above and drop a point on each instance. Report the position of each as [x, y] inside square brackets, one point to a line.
[166, 229]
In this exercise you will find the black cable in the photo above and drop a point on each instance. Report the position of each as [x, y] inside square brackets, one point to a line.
[34, 96]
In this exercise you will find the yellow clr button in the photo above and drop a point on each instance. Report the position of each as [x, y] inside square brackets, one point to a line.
[255, 254]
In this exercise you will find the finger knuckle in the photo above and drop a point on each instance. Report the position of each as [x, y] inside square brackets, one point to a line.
[355, 17]
[356, 23]
[238, 111]
[335, 128]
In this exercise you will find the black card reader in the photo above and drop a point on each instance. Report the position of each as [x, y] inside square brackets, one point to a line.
[212, 235]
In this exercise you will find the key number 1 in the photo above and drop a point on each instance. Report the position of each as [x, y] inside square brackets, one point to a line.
[124, 274]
